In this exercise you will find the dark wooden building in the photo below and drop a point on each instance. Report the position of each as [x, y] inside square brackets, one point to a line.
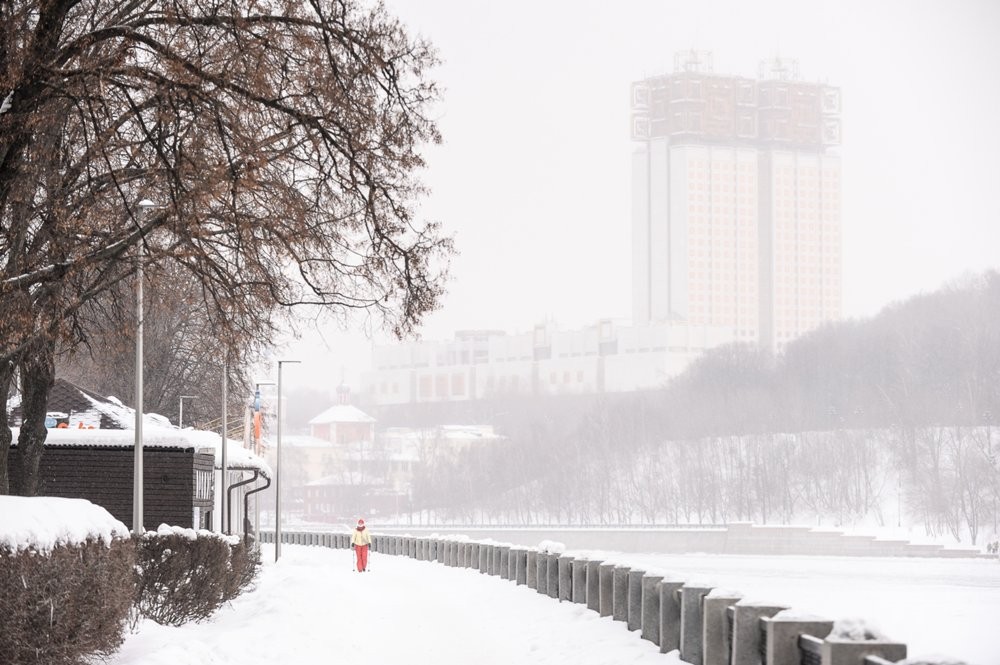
[178, 482]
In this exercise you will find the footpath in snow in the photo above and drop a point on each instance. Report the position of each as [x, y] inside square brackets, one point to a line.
[312, 608]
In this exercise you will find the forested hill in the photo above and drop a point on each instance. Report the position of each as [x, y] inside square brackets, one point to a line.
[933, 359]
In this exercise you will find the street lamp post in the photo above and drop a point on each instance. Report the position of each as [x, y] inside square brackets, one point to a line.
[137, 478]
[277, 471]
[180, 418]
[224, 505]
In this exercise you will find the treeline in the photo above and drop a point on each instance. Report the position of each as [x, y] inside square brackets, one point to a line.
[944, 479]
[834, 428]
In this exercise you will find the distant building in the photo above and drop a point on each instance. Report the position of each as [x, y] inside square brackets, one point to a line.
[736, 200]
[605, 357]
[343, 423]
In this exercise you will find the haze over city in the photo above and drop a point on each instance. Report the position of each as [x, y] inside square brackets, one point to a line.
[533, 175]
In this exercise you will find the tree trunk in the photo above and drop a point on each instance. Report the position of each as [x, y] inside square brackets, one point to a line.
[6, 374]
[37, 376]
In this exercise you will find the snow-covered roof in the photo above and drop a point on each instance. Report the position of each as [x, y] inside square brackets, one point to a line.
[41, 523]
[237, 457]
[342, 413]
[85, 408]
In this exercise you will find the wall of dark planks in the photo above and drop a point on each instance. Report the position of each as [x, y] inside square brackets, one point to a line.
[103, 475]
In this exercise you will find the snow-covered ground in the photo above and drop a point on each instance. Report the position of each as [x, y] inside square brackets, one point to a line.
[312, 608]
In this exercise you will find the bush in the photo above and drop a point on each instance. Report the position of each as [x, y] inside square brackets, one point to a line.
[186, 575]
[60, 606]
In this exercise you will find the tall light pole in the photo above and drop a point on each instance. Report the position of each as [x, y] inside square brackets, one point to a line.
[224, 505]
[144, 207]
[180, 418]
[277, 471]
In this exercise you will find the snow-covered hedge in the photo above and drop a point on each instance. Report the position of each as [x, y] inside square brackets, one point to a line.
[187, 575]
[66, 580]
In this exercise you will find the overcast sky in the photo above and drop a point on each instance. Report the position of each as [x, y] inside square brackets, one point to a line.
[533, 177]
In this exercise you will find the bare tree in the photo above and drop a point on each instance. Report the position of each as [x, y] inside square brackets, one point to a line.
[281, 140]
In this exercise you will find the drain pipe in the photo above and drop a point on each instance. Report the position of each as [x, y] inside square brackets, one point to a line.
[246, 501]
[229, 498]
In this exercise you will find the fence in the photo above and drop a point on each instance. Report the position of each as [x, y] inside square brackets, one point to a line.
[708, 627]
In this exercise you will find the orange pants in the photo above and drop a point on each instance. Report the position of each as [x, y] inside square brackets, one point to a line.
[362, 552]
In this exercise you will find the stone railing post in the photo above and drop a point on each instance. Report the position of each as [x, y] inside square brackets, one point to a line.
[606, 586]
[594, 586]
[716, 644]
[552, 574]
[565, 567]
[783, 634]
[746, 631]
[542, 573]
[691, 624]
[520, 566]
[580, 581]
[650, 623]
[670, 615]
[504, 562]
[635, 576]
[511, 563]
[620, 589]
[497, 563]
[531, 569]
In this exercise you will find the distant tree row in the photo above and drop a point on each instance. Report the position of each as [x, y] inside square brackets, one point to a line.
[845, 420]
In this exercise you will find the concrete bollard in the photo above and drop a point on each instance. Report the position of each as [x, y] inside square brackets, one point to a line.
[484, 558]
[716, 645]
[511, 564]
[565, 567]
[432, 550]
[635, 576]
[746, 631]
[846, 652]
[691, 625]
[495, 552]
[466, 556]
[580, 581]
[783, 637]
[474, 556]
[520, 566]
[449, 554]
[605, 595]
[505, 562]
[552, 574]
[620, 590]
[593, 594]
[491, 560]
[531, 569]
[542, 574]
[650, 623]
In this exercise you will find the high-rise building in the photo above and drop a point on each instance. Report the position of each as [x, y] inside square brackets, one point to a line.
[736, 200]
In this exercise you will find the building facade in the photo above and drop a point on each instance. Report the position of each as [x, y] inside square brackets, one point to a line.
[604, 357]
[736, 200]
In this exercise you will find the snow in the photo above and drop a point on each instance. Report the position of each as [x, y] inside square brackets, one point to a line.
[311, 607]
[238, 457]
[191, 534]
[551, 547]
[857, 630]
[42, 523]
[342, 413]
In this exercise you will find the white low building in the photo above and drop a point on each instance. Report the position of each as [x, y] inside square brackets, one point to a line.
[604, 357]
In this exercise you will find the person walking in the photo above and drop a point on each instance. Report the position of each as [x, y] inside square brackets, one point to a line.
[361, 540]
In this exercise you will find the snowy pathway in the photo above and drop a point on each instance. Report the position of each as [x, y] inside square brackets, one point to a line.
[312, 608]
